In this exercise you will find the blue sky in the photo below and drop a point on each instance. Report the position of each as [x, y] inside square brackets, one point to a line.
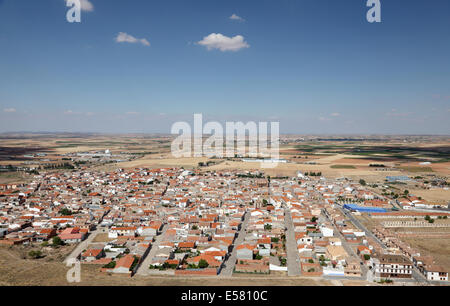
[316, 66]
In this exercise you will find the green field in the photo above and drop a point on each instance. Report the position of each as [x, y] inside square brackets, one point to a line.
[342, 167]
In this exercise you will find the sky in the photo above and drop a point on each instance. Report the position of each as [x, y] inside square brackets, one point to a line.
[138, 66]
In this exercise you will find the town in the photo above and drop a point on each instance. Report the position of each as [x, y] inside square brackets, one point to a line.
[179, 222]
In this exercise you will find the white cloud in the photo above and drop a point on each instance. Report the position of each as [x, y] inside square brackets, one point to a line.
[335, 114]
[236, 17]
[132, 113]
[86, 5]
[223, 43]
[9, 110]
[127, 38]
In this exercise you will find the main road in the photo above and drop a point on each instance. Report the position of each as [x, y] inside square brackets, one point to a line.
[143, 268]
[419, 277]
[293, 260]
[230, 262]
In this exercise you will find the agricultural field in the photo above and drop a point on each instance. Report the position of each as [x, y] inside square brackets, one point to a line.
[354, 158]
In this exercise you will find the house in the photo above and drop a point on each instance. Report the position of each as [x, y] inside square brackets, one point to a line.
[245, 251]
[435, 272]
[124, 264]
[327, 231]
[352, 268]
[72, 235]
[186, 246]
[336, 252]
[211, 260]
[114, 232]
[92, 254]
[363, 251]
[45, 234]
[303, 238]
[392, 266]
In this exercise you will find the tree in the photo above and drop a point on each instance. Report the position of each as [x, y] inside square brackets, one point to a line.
[65, 212]
[203, 264]
[57, 241]
[362, 182]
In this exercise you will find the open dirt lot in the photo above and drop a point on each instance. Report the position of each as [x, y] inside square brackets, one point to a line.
[438, 248]
[16, 269]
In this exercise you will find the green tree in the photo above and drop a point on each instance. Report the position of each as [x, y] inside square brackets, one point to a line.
[362, 182]
[57, 241]
[203, 264]
[65, 212]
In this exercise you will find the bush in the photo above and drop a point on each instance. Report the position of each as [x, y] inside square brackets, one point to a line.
[35, 254]
[110, 265]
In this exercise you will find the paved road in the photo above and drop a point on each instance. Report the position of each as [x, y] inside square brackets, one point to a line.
[362, 227]
[419, 277]
[228, 267]
[143, 268]
[293, 260]
[84, 244]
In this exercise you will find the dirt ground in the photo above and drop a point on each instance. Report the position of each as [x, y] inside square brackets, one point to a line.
[16, 269]
[438, 248]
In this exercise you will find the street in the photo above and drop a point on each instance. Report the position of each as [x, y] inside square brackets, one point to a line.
[293, 260]
[84, 244]
[228, 266]
[143, 268]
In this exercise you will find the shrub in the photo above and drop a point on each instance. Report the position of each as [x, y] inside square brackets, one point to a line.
[35, 254]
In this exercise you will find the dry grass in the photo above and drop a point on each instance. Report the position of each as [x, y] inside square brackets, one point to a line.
[50, 271]
[14, 177]
[438, 248]
[438, 195]
[102, 237]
